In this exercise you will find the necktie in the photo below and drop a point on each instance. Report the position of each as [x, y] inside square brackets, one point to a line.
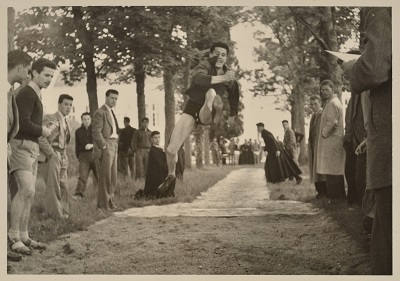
[66, 130]
[115, 120]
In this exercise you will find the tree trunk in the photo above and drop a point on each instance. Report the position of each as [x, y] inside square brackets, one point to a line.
[206, 147]
[328, 63]
[188, 143]
[140, 77]
[11, 27]
[199, 138]
[169, 104]
[86, 38]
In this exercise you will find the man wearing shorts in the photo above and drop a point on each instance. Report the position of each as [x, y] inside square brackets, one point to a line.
[210, 79]
[25, 149]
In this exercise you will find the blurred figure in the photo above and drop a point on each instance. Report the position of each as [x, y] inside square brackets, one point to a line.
[373, 71]
[54, 149]
[330, 152]
[256, 152]
[215, 152]
[125, 151]
[84, 153]
[315, 124]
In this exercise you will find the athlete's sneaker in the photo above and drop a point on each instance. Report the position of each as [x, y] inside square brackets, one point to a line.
[167, 188]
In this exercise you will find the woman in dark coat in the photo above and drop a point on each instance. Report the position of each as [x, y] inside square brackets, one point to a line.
[278, 165]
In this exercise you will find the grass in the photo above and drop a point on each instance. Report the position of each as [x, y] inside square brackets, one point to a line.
[347, 216]
[84, 213]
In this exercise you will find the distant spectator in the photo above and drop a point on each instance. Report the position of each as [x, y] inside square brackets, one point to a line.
[215, 152]
[84, 153]
[125, 151]
[330, 152]
[141, 143]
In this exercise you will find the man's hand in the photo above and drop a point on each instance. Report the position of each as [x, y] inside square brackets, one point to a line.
[278, 153]
[88, 146]
[347, 66]
[229, 76]
[46, 132]
[361, 148]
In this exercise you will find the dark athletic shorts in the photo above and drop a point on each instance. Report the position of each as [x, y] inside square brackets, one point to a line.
[193, 109]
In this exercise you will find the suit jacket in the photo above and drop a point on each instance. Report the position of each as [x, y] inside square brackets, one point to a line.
[47, 145]
[289, 141]
[101, 129]
[125, 138]
[330, 151]
[373, 71]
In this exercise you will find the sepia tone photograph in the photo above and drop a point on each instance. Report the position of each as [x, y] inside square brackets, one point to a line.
[199, 140]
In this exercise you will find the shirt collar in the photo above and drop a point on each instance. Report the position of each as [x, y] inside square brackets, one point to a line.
[35, 87]
[108, 107]
[62, 116]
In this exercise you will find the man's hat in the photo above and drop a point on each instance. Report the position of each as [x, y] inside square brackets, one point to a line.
[260, 124]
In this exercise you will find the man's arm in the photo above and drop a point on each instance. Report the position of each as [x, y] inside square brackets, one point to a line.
[44, 144]
[374, 67]
[135, 140]
[25, 103]
[201, 76]
[97, 127]
[292, 138]
[332, 119]
[233, 97]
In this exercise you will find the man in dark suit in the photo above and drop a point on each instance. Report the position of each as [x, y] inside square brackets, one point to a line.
[125, 151]
[19, 65]
[84, 153]
[373, 71]
[25, 148]
[105, 137]
[53, 150]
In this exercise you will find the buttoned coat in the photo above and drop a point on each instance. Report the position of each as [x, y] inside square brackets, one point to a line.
[314, 127]
[330, 152]
[373, 71]
[102, 130]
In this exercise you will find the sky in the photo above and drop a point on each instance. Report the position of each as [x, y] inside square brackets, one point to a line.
[257, 109]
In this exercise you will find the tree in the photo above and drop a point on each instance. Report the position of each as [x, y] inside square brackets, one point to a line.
[70, 35]
[295, 57]
[10, 27]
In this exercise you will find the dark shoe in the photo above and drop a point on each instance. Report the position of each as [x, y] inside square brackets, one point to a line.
[11, 256]
[168, 186]
[299, 180]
